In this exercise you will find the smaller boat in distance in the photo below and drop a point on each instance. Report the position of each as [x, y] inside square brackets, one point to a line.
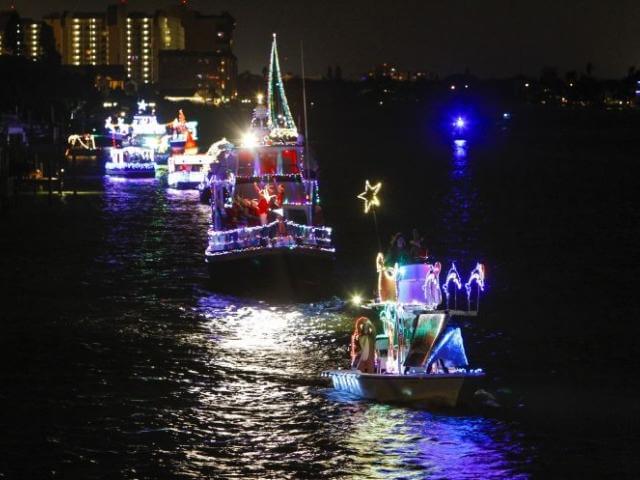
[413, 352]
[183, 136]
[131, 162]
[188, 171]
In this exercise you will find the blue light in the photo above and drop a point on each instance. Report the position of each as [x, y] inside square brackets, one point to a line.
[460, 123]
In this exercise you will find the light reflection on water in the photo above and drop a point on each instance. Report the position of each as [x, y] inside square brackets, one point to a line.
[155, 376]
[262, 411]
[244, 395]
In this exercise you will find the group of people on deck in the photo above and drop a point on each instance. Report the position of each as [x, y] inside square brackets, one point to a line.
[402, 253]
[256, 211]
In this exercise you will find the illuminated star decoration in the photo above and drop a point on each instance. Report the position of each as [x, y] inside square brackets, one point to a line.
[370, 196]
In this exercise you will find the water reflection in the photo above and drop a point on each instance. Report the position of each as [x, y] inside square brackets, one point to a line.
[394, 442]
[461, 210]
[259, 409]
[459, 149]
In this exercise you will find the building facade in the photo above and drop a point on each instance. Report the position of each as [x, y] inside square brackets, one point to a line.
[32, 39]
[80, 38]
[176, 47]
[205, 65]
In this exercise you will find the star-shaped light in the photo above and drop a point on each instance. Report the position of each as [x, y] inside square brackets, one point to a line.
[370, 196]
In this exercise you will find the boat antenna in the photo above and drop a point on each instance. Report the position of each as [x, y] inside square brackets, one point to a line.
[306, 134]
[304, 99]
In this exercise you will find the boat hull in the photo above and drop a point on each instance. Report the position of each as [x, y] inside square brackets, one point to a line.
[131, 172]
[441, 390]
[273, 272]
[186, 185]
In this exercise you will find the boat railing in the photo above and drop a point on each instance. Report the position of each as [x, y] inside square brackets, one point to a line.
[280, 233]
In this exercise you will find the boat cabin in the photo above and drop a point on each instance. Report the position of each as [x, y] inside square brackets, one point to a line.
[188, 171]
[273, 172]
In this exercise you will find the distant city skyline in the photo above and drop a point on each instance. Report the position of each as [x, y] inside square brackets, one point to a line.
[494, 38]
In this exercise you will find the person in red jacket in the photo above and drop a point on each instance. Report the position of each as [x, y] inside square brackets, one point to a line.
[263, 204]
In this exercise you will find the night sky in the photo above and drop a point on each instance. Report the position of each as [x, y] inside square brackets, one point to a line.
[490, 37]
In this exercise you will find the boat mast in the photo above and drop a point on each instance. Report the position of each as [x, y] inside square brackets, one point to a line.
[304, 100]
[306, 135]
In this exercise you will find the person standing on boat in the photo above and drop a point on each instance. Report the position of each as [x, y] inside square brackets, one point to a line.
[279, 196]
[397, 252]
[416, 250]
[263, 204]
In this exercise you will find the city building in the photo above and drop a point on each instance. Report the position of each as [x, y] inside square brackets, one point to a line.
[187, 73]
[32, 35]
[140, 48]
[205, 65]
[169, 31]
[11, 33]
[80, 38]
[177, 48]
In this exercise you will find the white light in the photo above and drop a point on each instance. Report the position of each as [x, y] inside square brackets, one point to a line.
[356, 300]
[249, 140]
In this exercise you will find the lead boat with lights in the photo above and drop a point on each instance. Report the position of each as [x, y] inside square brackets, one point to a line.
[413, 352]
[267, 224]
[130, 162]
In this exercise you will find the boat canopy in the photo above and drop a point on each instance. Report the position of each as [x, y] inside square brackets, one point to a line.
[449, 349]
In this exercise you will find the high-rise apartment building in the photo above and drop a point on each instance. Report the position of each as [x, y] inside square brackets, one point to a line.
[81, 38]
[151, 47]
[32, 39]
[140, 48]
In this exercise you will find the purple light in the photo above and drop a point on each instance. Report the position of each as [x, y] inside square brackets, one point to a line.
[477, 277]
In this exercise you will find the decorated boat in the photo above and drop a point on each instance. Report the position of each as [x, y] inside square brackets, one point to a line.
[184, 135]
[409, 348]
[82, 146]
[266, 215]
[146, 131]
[188, 171]
[131, 162]
[119, 131]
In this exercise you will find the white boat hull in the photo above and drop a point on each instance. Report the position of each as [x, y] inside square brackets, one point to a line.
[431, 390]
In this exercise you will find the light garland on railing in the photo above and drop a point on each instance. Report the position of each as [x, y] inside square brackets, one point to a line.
[269, 236]
[213, 253]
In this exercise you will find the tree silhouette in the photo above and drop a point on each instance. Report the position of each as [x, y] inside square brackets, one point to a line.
[13, 35]
[329, 73]
[338, 72]
[589, 69]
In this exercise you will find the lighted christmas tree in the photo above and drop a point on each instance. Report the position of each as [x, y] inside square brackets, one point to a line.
[280, 121]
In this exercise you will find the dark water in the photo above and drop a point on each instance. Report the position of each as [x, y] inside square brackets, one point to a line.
[118, 361]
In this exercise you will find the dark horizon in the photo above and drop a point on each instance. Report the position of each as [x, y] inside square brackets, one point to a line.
[499, 38]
